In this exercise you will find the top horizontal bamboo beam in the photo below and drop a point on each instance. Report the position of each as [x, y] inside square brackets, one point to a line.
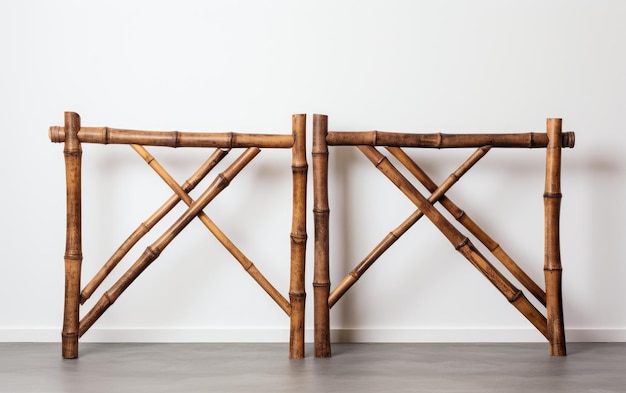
[441, 141]
[107, 135]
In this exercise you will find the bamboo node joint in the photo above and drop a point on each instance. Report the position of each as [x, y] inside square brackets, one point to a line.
[516, 296]
[463, 243]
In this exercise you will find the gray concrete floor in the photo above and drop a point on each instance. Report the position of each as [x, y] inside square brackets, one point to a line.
[467, 368]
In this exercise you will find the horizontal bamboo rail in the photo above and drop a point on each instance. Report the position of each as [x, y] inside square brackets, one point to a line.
[107, 135]
[72, 134]
[443, 141]
[549, 325]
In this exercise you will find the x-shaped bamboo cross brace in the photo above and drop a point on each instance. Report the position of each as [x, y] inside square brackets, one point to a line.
[458, 240]
[195, 209]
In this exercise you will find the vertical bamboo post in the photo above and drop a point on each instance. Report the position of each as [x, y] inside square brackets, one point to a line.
[552, 263]
[321, 213]
[73, 248]
[297, 293]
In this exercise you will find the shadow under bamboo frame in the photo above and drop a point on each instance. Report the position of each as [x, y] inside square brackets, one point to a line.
[551, 325]
[72, 135]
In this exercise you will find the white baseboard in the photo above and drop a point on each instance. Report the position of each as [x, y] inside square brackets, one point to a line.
[248, 335]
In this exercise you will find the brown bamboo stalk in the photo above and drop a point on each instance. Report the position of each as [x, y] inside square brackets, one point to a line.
[321, 213]
[441, 141]
[468, 223]
[214, 229]
[148, 224]
[153, 251]
[107, 135]
[73, 238]
[297, 293]
[390, 239]
[460, 242]
[552, 265]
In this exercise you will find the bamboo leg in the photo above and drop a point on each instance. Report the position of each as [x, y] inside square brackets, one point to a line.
[152, 252]
[321, 213]
[147, 225]
[468, 223]
[552, 266]
[73, 239]
[390, 239]
[460, 242]
[297, 294]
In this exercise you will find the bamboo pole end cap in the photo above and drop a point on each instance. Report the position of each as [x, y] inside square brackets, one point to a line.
[569, 139]
[56, 134]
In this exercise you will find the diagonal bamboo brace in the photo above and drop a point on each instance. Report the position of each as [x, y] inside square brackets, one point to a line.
[468, 223]
[148, 224]
[460, 242]
[226, 242]
[153, 251]
[390, 239]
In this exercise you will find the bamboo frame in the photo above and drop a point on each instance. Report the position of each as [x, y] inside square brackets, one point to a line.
[550, 325]
[72, 134]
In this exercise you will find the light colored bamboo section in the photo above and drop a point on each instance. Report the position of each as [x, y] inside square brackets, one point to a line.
[72, 134]
[443, 141]
[148, 224]
[470, 225]
[298, 238]
[552, 265]
[390, 239]
[73, 238]
[321, 215]
[107, 135]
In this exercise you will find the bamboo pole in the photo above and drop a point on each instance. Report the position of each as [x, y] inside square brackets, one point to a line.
[214, 229]
[148, 224]
[298, 238]
[552, 265]
[441, 141]
[468, 223]
[460, 242]
[107, 135]
[321, 213]
[153, 251]
[390, 239]
[73, 239]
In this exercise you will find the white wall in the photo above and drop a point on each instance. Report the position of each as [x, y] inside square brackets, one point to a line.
[454, 66]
